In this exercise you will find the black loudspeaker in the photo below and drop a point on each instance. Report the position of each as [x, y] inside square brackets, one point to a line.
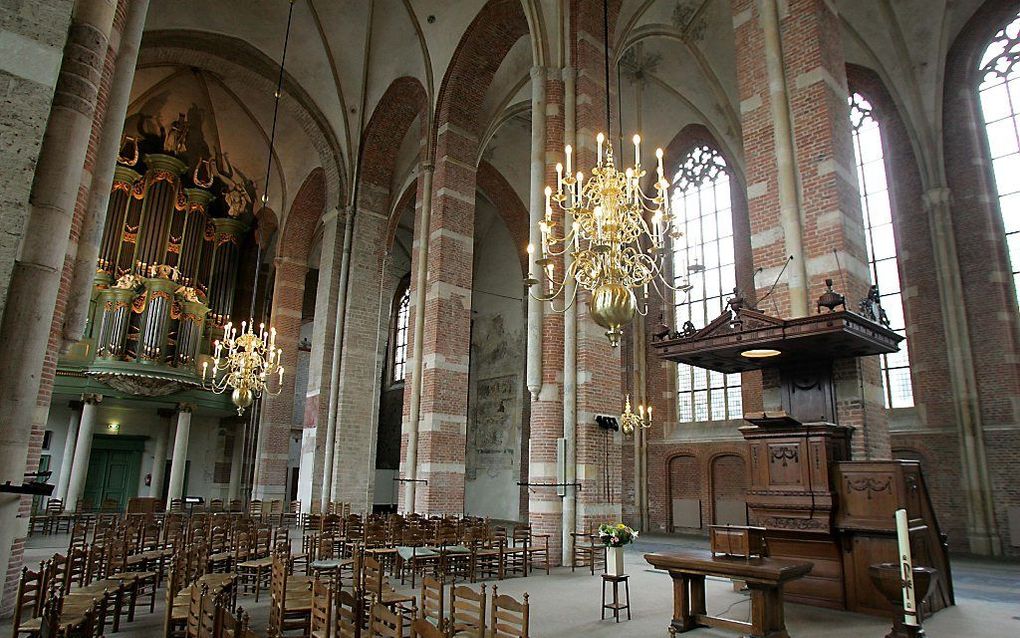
[607, 422]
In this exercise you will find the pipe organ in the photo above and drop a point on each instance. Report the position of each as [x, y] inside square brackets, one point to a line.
[167, 272]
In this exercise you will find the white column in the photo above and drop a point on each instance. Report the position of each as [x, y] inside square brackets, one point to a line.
[416, 363]
[64, 478]
[159, 455]
[786, 159]
[537, 212]
[326, 495]
[235, 463]
[82, 449]
[180, 457]
[91, 234]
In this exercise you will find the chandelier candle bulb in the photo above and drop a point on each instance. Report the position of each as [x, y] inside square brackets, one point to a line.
[559, 178]
[598, 153]
[637, 150]
[567, 150]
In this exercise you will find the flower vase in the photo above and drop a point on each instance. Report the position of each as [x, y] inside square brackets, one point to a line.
[614, 561]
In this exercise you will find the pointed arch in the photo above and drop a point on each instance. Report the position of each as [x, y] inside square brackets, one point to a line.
[303, 217]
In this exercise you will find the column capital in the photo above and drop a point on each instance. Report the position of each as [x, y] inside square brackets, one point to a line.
[539, 72]
[936, 196]
[91, 399]
[331, 215]
[185, 407]
[428, 166]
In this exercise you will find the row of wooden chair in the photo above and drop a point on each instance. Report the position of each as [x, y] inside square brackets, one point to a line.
[468, 614]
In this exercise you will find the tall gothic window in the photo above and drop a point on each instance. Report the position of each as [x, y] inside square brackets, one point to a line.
[878, 231]
[1000, 102]
[399, 349]
[704, 255]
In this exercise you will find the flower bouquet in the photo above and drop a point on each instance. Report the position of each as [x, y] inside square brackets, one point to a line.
[614, 537]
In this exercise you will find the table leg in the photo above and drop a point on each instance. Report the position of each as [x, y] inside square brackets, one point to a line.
[603, 599]
[616, 600]
[777, 617]
[760, 604]
[626, 587]
[682, 620]
[698, 595]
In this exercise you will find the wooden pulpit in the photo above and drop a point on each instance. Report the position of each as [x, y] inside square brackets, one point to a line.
[815, 503]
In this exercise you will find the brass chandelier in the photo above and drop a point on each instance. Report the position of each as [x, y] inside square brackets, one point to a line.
[249, 361]
[616, 237]
[629, 421]
[246, 362]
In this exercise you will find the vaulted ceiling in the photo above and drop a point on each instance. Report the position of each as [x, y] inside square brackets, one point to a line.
[344, 54]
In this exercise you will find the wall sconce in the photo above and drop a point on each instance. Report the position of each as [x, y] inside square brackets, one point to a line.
[113, 427]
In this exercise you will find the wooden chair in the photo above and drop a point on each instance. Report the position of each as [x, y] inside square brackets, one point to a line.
[28, 602]
[385, 623]
[422, 628]
[322, 609]
[587, 551]
[508, 618]
[292, 515]
[377, 588]
[291, 600]
[433, 603]
[346, 615]
[467, 612]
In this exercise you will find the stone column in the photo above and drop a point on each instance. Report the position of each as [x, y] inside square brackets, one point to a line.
[545, 506]
[78, 299]
[179, 461]
[419, 286]
[35, 279]
[598, 456]
[236, 461]
[982, 533]
[66, 460]
[536, 213]
[82, 450]
[328, 464]
[159, 454]
[320, 359]
[792, 81]
[277, 418]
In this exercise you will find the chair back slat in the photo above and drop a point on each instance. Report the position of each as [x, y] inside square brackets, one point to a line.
[508, 617]
[467, 611]
[385, 623]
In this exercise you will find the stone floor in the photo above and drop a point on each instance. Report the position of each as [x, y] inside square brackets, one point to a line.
[566, 604]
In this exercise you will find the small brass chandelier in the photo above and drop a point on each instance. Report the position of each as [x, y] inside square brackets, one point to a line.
[629, 421]
[616, 239]
[246, 361]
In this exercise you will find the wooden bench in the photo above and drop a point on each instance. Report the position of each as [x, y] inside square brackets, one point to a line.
[764, 577]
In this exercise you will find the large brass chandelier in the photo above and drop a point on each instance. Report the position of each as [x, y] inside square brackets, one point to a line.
[616, 237]
[246, 362]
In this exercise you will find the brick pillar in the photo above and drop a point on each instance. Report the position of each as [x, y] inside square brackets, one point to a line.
[445, 353]
[364, 354]
[278, 411]
[320, 361]
[598, 364]
[805, 39]
[545, 506]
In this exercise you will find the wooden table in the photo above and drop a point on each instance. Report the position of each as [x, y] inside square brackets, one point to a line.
[764, 578]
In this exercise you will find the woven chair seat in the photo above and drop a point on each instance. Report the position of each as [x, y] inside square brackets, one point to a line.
[408, 553]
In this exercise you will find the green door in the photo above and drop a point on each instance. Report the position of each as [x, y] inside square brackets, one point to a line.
[113, 469]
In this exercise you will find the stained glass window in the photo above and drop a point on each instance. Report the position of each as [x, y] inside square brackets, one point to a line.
[400, 336]
[704, 257]
[999, 92]
[881, 242]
